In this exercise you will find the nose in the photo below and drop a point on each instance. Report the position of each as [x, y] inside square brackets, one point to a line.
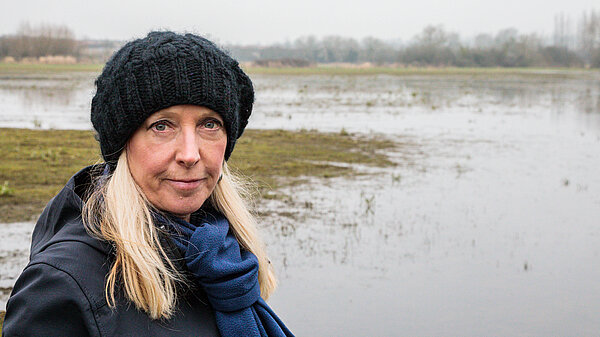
[188, 151]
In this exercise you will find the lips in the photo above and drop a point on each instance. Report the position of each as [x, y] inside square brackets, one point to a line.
[185, 184]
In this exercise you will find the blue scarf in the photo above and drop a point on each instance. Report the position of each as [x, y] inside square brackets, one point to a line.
[229, 276]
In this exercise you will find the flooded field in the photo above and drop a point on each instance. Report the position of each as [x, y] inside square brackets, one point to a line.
[488, 225]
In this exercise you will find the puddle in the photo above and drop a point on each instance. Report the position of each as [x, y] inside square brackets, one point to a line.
[479, 237]
[14, 255]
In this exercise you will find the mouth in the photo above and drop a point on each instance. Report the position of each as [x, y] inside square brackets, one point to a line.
[185, 184]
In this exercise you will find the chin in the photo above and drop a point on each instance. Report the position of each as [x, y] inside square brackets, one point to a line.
[183, 207]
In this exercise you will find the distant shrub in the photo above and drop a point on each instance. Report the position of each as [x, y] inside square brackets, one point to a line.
[284, 62]
[5, 190]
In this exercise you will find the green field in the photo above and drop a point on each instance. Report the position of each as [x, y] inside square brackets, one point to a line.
[37, 163]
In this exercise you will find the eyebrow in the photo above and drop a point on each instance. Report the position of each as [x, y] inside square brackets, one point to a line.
[168, 113]
[214, 114]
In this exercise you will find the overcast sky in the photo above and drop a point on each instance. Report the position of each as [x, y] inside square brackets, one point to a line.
[268, 21]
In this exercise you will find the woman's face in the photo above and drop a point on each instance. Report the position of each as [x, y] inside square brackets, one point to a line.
[176, 157]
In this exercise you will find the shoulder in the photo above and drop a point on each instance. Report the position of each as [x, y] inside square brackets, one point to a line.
[47, 300]
[59, 292]
[83, 264]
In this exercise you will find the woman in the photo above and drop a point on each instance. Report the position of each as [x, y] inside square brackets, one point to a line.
[156, 241]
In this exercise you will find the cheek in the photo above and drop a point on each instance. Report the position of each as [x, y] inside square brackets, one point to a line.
[145, 164]
[216, 156]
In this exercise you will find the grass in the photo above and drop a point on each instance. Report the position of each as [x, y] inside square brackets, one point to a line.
[5, 190]
[324, 69]
[2, 313]
[12, 68]
[37, 163]
[422, 71]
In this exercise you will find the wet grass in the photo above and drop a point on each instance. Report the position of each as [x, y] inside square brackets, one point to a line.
[16, 68]
[325, 69]
[424, 71]
[37, 163]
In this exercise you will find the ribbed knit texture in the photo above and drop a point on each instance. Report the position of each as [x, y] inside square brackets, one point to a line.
[161, 70]
[228, 275]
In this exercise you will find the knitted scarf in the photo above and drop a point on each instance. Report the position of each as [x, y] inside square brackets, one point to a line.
[228, 275]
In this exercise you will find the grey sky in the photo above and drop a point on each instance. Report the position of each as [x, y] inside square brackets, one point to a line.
[267, 21]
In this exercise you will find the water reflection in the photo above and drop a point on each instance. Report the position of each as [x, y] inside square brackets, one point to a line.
[59, 101]
[355, 103]
[14, 255]
[503, 247]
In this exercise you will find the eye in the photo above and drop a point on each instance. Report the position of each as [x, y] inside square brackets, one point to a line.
[212, 124]
[160, 126]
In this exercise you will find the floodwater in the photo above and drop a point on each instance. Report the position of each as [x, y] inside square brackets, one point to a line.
[488, 225]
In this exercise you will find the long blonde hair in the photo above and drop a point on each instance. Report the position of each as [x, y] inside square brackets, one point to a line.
[117, 211]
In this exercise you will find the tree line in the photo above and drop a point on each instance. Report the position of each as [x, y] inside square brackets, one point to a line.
[38, 41]
[571, 45]
[434, 46]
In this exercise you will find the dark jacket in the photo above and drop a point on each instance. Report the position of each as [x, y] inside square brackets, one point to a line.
[61, 291]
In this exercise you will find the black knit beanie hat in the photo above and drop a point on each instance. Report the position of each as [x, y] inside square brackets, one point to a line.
[161, 70]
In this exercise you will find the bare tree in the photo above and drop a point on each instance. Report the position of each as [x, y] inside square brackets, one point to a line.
[432, 46]
[436, 46]
[589, 38]
[377, 51]
[563, 31]
[41, 40]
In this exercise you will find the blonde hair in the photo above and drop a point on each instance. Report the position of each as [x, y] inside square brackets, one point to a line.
[118, 212]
